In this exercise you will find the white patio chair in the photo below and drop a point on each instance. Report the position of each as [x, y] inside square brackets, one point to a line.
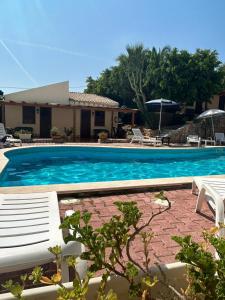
[29, 225]
[10, 139]
[219, 137]
[139, 137]
[194, 139]
[213, 192]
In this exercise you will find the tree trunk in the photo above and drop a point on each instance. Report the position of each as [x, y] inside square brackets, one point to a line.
[142, 107]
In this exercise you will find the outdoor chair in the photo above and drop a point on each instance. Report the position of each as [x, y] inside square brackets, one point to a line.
[4, 142]
[194, 139]
[29, 226]
[139, 137]
[9, 138]
[212, 191]
[219, 137]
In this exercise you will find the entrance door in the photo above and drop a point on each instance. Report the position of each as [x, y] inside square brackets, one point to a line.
[45, 122]
[85, 124]
[222, 102]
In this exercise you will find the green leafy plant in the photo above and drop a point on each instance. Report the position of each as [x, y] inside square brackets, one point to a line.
[78, 292]
[16, 288]
[55, 131]
[205, 273]
[108, 245]
[24, 131]
[103, 135]
[68, 131]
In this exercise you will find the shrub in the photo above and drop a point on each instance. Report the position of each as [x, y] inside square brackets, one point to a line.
[205, 273]
[55, 131]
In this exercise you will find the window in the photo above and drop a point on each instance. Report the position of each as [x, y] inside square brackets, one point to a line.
[28, 115]
[99, 118]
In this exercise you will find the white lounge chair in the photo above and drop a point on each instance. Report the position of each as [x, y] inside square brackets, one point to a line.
[194, 139]
[139, 137]
[219, 137]
[212, 191]
[29, 225]
[10, 139]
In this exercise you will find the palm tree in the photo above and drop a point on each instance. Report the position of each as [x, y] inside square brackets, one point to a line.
[143, 68]
[135, 63]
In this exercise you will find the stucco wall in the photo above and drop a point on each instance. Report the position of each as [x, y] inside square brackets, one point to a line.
[14, 118]
[53, 93]
[214, 102]
[108, 122]
[62, 117]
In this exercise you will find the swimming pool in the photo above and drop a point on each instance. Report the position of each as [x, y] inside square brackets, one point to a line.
[69, 164]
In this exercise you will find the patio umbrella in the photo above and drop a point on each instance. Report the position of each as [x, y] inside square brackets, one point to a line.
[209, 114]
[159, 104]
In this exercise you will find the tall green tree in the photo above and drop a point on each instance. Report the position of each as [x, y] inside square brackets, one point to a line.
[173, 76]
[135, 64]
[112, 83]
[207, 77]
[143, 74]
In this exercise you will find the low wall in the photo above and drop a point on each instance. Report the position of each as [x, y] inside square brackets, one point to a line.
[174, 274]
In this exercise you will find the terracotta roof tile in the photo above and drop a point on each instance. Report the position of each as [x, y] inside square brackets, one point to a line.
[91, 100]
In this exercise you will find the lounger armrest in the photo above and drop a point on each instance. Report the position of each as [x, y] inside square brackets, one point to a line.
[218, 200]
[211, 191]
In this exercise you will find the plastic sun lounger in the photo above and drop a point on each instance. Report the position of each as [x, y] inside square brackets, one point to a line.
[139, 137]
[219, 137]
[212, 191]
[29, 225]
[194, 139]
[10, 139]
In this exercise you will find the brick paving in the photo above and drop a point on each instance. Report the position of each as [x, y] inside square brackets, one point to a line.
[180, 220]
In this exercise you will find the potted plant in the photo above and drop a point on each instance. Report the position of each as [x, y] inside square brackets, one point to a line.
[25, 135]
[57, 137]
[69, 133]
[102, 136]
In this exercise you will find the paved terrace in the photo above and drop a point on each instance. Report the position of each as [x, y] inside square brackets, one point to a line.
[179, 220]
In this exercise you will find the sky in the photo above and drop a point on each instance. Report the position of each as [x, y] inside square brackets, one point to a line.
[48, 41]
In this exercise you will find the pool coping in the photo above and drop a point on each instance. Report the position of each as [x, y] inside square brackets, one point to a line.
[74, 188]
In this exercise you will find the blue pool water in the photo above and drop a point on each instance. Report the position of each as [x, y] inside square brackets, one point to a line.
[53, 165]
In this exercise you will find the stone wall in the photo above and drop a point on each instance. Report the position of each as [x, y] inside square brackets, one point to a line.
[201, 128]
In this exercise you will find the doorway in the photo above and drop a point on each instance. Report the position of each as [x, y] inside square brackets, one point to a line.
[222, 102]
[45, 122]
[85, 124]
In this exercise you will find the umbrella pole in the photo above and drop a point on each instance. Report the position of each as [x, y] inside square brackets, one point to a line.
[160, 117]
[213, 129]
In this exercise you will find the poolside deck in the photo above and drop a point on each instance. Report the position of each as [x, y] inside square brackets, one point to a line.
[181, 220]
